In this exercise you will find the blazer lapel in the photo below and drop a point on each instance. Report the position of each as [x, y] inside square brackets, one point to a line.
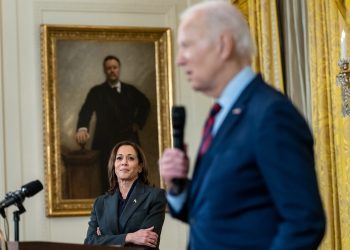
[236, 112]
[136, 198]
[111, 205]
[203, 163]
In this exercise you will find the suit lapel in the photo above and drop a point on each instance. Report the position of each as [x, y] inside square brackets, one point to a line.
[236, 112]
[111, 205]
[136, 198]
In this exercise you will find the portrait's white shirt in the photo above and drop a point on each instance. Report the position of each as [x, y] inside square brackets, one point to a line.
[117, 86]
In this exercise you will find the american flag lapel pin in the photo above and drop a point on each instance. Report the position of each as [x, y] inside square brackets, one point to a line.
[236, 111]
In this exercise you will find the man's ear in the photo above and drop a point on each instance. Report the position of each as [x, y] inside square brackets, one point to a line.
[226, 45]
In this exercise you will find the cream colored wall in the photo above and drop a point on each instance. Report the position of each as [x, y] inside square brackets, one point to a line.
[2, 160]
[21, 136]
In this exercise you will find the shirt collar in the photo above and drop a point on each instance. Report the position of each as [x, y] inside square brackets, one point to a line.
[231, 93]
[117, 86]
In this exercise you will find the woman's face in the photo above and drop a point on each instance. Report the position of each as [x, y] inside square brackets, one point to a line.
[126, 165]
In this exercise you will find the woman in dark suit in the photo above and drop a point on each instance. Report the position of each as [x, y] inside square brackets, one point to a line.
[131, 213]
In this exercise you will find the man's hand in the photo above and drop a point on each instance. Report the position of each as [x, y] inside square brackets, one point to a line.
[173, 164]
[145, 237]
[82, 136]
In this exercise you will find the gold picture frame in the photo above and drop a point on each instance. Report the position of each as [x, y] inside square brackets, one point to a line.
[71, 58]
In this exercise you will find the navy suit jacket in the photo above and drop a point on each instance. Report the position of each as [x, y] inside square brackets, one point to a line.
[256, 187]
[144, 208]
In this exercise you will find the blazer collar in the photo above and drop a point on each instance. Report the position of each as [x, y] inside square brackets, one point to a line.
[237, 110]
[138, 195]
[236, 113]
[111, 205]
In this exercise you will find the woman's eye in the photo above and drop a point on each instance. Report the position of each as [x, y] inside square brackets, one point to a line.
[119, 158]
[131, 158]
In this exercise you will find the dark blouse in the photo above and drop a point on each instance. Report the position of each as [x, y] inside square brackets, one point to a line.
[122, 202]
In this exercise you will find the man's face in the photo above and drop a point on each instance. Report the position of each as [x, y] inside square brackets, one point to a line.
[197, 54]
[112, 70]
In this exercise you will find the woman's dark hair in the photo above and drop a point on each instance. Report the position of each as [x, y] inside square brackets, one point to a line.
[112, 177]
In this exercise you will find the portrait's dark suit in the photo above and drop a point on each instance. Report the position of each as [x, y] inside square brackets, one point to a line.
[145, 208]
[255, 187]
[116, 117]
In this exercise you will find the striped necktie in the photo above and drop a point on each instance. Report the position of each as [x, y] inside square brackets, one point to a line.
[207, 136]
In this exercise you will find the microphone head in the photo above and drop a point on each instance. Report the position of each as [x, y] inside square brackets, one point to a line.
[178, 121]
[178, 115]
[31, 188]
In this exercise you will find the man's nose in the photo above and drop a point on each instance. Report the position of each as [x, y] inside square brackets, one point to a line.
[180, 59]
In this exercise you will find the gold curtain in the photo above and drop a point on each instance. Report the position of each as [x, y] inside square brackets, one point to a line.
[344, 8]
[263, 23]
[331, 129]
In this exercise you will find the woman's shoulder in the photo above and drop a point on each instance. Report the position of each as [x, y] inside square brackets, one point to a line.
[153, 188]
[104, 197]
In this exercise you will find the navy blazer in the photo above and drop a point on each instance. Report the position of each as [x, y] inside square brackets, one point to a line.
[256, 187]
[145, 208]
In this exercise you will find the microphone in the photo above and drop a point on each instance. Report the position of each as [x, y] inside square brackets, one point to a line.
[178, 115]
[18, 196]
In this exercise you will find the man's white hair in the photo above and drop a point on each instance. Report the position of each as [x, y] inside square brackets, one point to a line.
[221, 16]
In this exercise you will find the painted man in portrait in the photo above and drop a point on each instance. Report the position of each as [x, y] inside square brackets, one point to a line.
[121, 111]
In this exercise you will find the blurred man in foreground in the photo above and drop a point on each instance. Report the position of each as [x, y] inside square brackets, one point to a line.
[254, 184]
